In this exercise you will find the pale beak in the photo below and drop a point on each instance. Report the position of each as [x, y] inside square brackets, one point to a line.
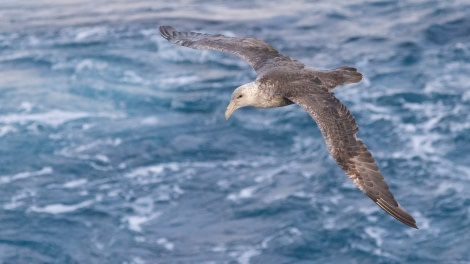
[230, 109]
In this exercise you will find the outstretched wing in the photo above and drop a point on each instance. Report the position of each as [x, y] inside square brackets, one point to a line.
[257, 53]
[339, 130]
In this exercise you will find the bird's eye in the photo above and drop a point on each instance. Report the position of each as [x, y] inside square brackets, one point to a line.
[239, 96]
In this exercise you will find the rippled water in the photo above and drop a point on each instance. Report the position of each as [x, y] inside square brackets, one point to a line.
[115, 148]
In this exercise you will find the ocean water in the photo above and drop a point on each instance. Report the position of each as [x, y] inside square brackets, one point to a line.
[114, 147]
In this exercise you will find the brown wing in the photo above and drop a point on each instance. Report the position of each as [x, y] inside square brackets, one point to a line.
[339, 130]
[257, 53]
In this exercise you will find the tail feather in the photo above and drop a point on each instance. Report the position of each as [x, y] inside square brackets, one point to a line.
[348, 75]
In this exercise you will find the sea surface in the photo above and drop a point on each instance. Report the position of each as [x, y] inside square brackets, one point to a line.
[114, 147]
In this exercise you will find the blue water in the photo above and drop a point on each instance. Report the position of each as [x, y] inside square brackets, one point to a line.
[114, 147]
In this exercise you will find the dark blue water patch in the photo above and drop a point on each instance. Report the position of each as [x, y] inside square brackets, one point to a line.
[382, 4]
[26, 149]
[378, 8]
[277, 22]
[452, 31]
[190, 106]
[410, 97]
[398, 99]
[310, 246]
[462, 147]
[35, 251]
[112, 57]
[26, 239]
[336, 15]
[279, 210]
[409, 53]
[366, 39]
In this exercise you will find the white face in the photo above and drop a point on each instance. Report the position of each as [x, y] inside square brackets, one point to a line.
[239, 96]
[242, 96]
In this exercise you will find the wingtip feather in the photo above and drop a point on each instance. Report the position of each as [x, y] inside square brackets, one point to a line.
[166, 31]
[398, 213]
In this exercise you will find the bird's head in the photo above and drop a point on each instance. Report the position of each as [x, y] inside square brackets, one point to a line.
[244, 95]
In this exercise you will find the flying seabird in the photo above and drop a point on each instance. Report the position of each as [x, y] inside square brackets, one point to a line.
[283, 81]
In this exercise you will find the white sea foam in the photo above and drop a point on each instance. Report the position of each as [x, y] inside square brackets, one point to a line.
[153, 170]
[17, 199]
[244, 193]
[75, 183]
[178, 81]
[368, 210]
[150, 121]
[143, 205]
[53, 117]
[82, 151]
[7, 129]
[137, 260]
[280, 193]
[166, 244]
[26, 106]
[102, 158]
[132, 77]
[89, 64]
[245, 256]
[61, 208]
[135, 222]
[23, 175]
[89, 32]
[376, 233]
[92, 145]
[287, 236]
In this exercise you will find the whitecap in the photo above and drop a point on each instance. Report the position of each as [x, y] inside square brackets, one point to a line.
[152, 170]
[89, 64]
[143, 205]
[280, 193]
[376, 233]
[26, 106]
[98, 143]
[369, 210]
[134, 222]
[23, 175]
[7, 129]
[132, 77]
[244, 193]
[17, 199]
[102, 158]
[61, 208]
[150, 121]
[137, 260]
[85, 33]
[165, 243]
[244, 257]
[178, 81]
[53, 118]
[75, 183]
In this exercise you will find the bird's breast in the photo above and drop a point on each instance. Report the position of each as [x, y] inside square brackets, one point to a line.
[274, 101]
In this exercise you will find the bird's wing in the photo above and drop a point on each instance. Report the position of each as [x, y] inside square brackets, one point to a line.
[339, 130]
[261, 56]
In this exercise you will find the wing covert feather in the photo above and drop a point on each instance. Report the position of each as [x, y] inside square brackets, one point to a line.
[260, 55]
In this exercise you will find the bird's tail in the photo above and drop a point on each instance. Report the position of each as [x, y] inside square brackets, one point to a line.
[348, 75]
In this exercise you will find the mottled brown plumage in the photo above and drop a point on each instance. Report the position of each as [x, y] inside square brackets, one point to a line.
[282, 81]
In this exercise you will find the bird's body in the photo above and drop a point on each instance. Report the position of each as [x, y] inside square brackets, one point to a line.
[283, 81]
